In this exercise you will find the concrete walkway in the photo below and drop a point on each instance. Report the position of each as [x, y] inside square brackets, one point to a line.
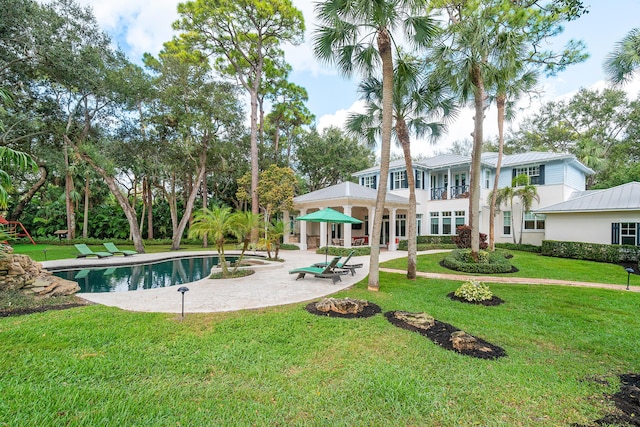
[271, 285]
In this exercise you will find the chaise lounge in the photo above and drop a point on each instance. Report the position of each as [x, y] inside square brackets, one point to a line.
[113, 249]
[344, 265]
[85, 252]
[328, 272]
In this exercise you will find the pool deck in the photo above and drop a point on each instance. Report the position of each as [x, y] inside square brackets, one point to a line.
[271, 285]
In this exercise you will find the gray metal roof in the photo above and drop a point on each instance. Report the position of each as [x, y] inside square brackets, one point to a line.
[621, 198]
[350, 191]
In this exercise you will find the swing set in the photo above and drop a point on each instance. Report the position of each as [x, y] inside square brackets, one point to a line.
[15, 229]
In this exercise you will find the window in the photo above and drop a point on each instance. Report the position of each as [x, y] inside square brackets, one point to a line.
[418, 224]
[487, 178]
[401, 225]
[460, 179]
[628, 233]
[506, 223]
[418, 179]
[459, 219]
[369, 181]
[399, 180]
[446, 222]
[292, 224]
[535, 174]
[435, 223]
[446, 180]
[434, 181]
[533, 221]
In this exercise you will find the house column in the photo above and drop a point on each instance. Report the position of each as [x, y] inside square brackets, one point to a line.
[303, 231]
[392, 230]
[448, 189]
[347, 228]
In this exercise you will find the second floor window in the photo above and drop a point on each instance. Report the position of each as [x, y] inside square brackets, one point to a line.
[535, 173]
[399, 180]
[369, 181]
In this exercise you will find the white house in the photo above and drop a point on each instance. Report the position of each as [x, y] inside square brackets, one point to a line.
[442, 196]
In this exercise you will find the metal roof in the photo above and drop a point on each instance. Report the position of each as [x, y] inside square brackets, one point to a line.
[624, 197]
[350, 191]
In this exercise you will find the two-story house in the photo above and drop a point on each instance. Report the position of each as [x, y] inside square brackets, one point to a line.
[442, 196]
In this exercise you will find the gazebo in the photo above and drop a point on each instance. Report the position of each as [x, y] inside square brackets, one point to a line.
[351, 199]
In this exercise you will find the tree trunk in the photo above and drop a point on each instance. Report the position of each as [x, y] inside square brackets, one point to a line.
[255, 169]
[500, 103]
[412, 245]
[384, 48]
[177, 235]
[149, 210]
[474, 184]
[19, 208]
[129, 211]
[68, 189]
[205, 242]
[85, 220]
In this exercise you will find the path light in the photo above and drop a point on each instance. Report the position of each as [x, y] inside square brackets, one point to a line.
[45, 254]
[629, 270]
[182, 290]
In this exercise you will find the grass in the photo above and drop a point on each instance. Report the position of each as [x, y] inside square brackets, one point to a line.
[99, 365]
[534, 265]
[53, 252]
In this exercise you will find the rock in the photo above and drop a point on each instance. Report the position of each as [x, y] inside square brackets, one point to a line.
[418, 320]
[463, 341]
[27, 275]
[342, 306]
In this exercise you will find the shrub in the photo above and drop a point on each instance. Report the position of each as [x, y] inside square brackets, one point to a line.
[490, 262]
[289, 247]
[463, 239]
[591, 251]
[474, 291]
[519, 247]
[429, 242]
[335, 251]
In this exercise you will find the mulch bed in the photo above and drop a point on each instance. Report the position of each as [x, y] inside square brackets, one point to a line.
[627, 402]
[513, 270]
[489, 302]
[41, 309]
[370, 310]
[440, 334]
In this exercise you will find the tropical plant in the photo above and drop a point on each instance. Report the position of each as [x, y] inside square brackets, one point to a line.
[522, 189]
[416, 102]
[624, 60]
[474, 290]
[243, 223]
[216, 224]
[357, 36]
[274, 237]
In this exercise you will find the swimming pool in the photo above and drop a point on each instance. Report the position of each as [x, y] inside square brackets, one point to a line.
[141, 276]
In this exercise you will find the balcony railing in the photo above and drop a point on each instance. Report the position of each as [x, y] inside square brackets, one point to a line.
[439, 193]
[459, 191]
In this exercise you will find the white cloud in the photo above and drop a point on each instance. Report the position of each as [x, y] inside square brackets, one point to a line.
[339, 118]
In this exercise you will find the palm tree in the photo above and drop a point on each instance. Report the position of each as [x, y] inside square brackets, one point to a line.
[357, 35]
[502, 196]
[242, 225]
[527, 193]
[276, 231]
[625, 58]
[416, 100]
[216, 224]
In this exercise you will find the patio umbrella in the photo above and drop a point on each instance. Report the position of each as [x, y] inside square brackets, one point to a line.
[329, 215]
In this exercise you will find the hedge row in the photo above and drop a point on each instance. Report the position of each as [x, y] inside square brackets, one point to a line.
[519, 247]
[591, 251]
[490, 262]
[335, 251]
[437, 242]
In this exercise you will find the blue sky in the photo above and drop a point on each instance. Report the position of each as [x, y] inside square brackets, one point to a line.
[143, 25]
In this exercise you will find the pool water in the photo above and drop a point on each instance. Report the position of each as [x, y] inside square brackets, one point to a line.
[141, 276]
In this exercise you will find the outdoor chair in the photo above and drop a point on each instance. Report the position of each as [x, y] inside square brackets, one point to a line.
[327, 272]
[113, 249]
[344, 265]
[85, 252]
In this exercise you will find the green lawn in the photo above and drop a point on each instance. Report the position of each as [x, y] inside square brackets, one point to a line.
[537, 266]
[97, 365]
[52, 252]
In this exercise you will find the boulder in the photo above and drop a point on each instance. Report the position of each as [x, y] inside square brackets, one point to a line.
[418, 320]
[23, 273]
[462, 341]
[342, 306]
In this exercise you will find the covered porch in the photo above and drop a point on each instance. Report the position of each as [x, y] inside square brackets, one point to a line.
[353, 200]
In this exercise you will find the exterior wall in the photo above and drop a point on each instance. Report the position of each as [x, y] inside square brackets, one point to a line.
[575, 179]
[592, 227]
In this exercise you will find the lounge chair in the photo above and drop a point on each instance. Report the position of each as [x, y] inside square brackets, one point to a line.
[113, 249]
[85, 252]
[344, 265]
[328, 272]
